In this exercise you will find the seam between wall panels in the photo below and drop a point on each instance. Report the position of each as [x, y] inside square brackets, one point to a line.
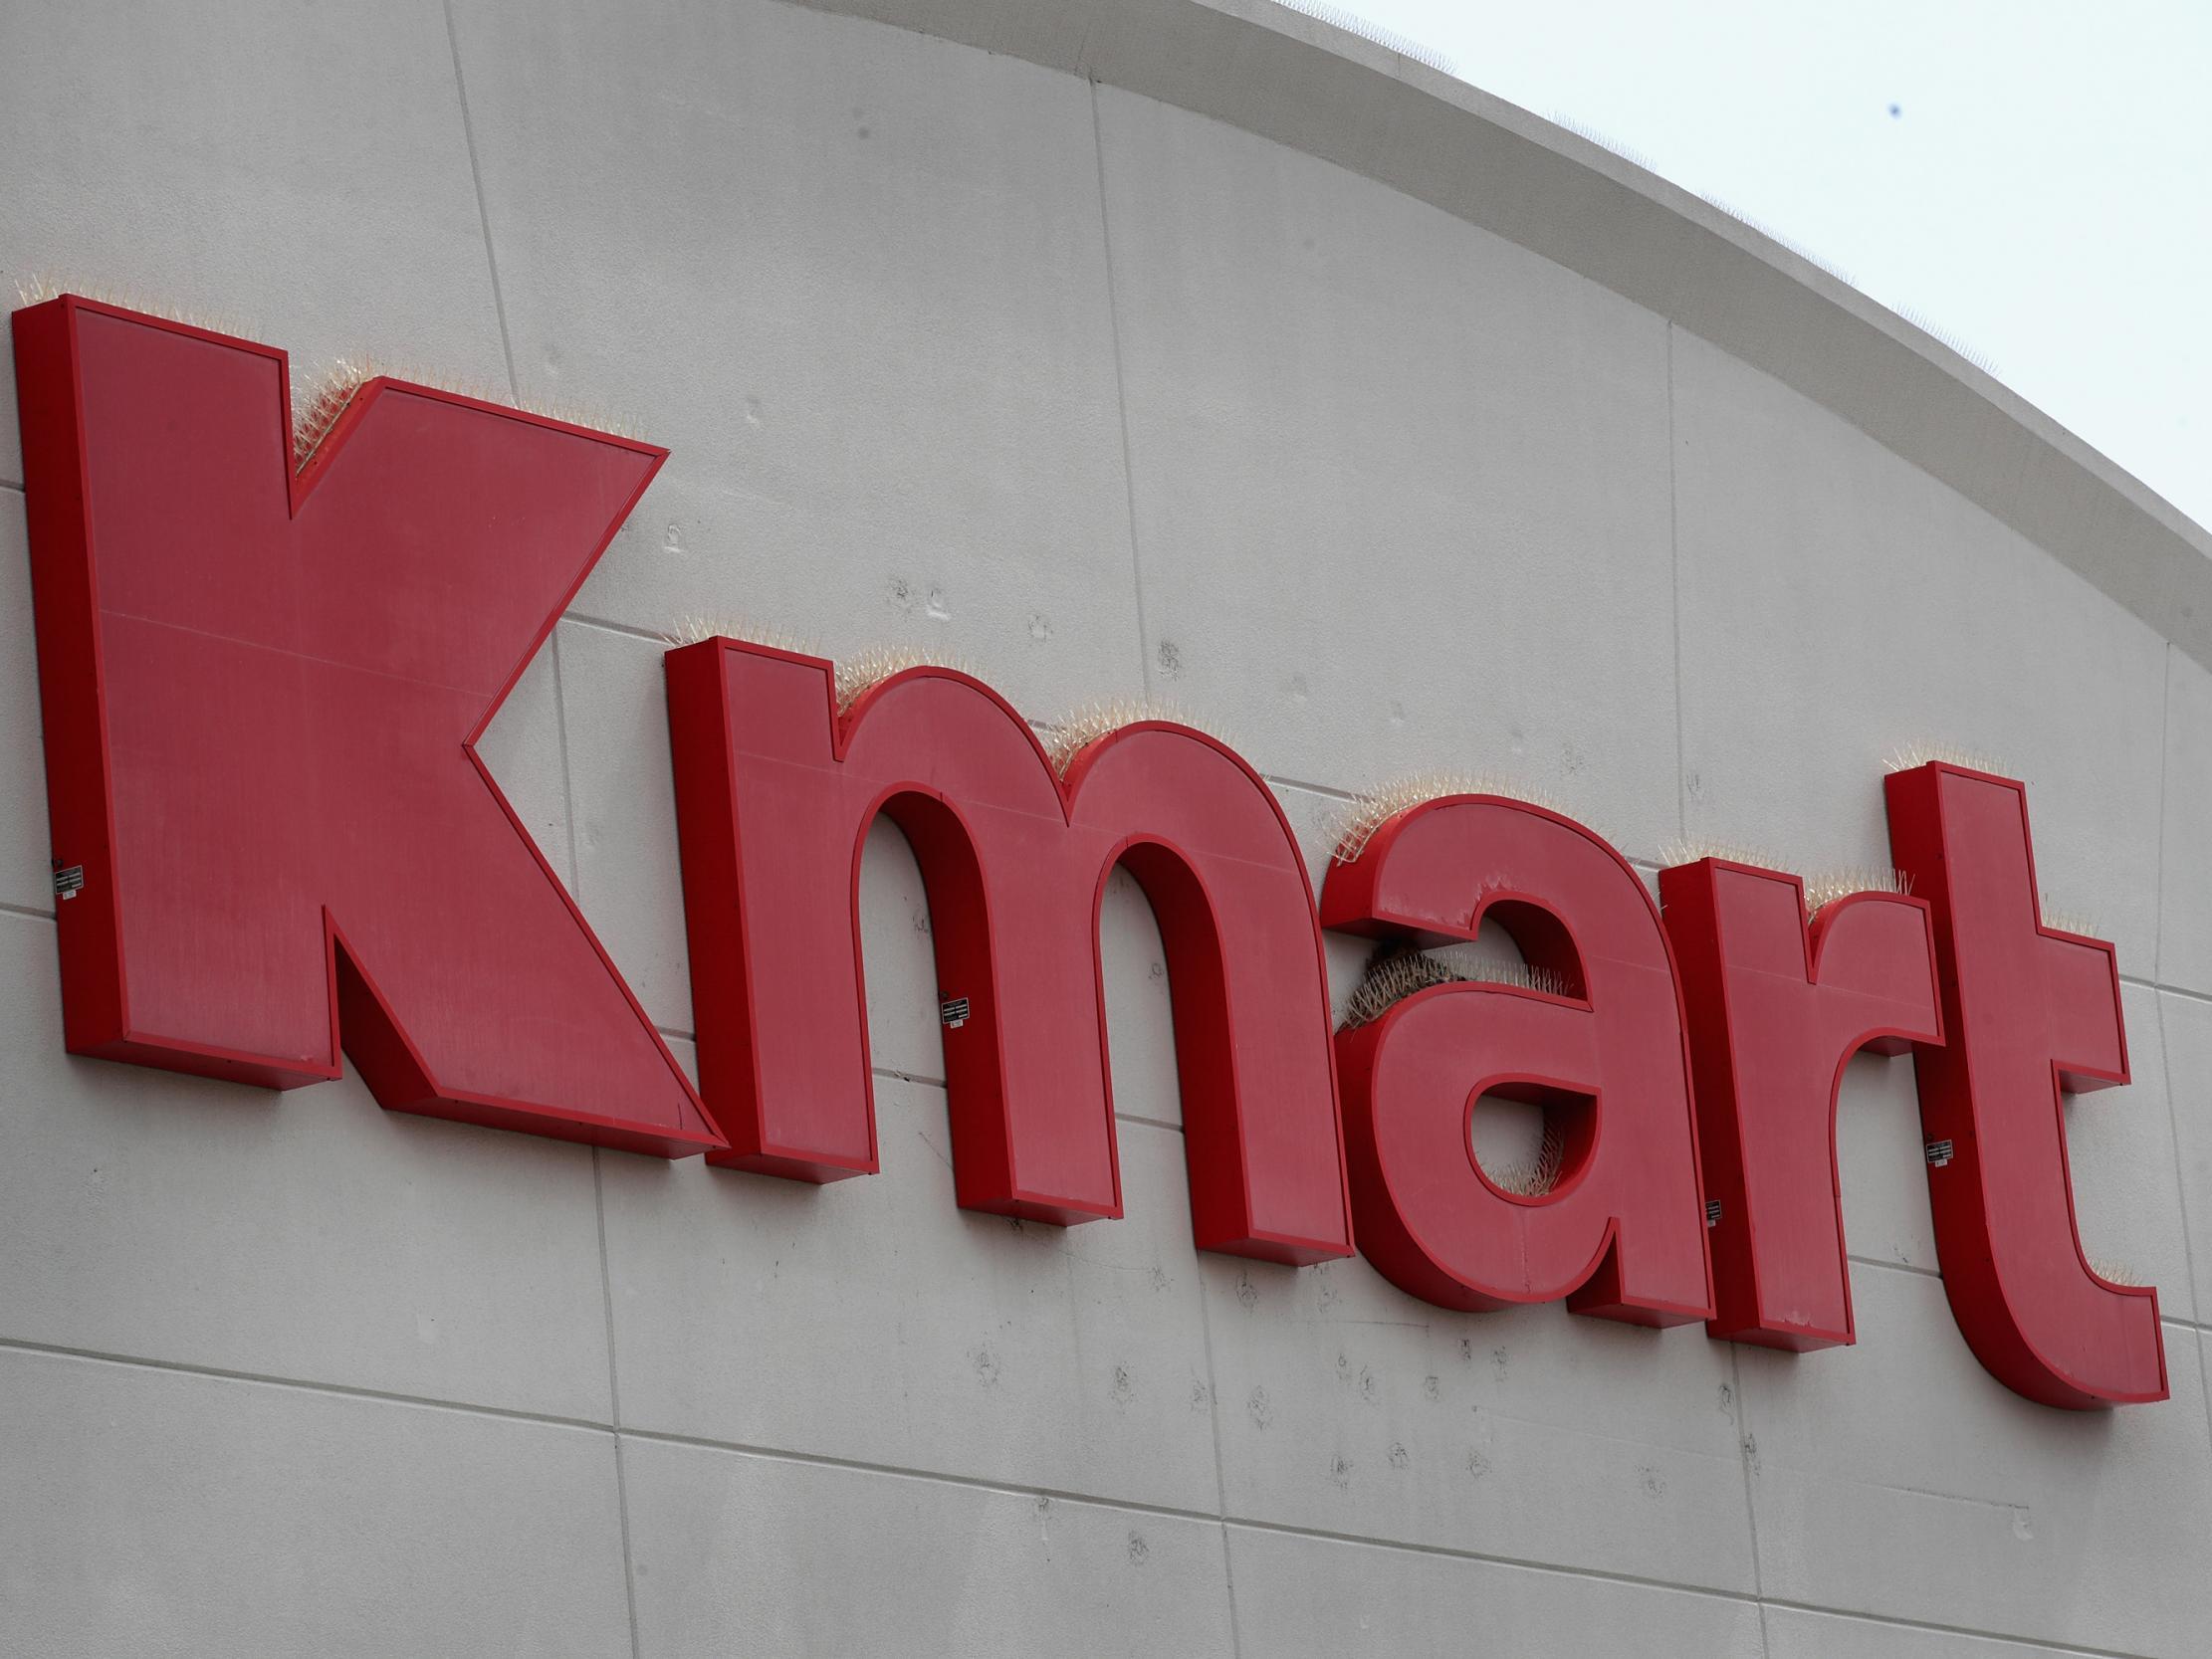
[1221, 1479]
[2168, 990]
[515, 391]
[1121, 401]
[628, 630]
[1674, 597]
[2165, 766]
[615, 1405]
[1014, 1489]
[1174, 1513]
[2041, 1644]
[483, 210]
[2188, 1248]
[567, 781]
[1747, 1443]
[1329, 790]
[269, 1379]
[2204, 1378]
[887, 1073]
[2159, 992]
[1937, 1274]
[2173, 1142]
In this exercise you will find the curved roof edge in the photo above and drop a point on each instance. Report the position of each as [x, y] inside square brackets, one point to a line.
[1292, 78]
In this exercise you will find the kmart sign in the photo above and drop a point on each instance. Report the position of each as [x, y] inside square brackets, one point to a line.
[265, 659]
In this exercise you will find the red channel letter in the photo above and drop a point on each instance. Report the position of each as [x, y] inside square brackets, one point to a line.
[774, 793]
[1621, 1235]
[261, 693]
[2030, 1013]
[1776, 1011]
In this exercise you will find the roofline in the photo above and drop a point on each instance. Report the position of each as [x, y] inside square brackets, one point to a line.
[1290, 77]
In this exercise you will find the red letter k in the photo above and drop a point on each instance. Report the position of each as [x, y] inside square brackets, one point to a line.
[261, 695]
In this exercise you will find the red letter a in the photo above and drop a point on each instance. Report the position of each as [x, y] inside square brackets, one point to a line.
[1622, 1234]
[260, 694]
[2029, 1012]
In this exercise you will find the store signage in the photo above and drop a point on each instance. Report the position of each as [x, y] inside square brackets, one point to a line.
[262, 685]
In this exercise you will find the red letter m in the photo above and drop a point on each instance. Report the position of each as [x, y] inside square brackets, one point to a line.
[260, 693]
[775, 786]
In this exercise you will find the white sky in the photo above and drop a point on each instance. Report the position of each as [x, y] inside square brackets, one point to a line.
[2034, 179]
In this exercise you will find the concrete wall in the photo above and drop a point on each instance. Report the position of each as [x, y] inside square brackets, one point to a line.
[957, 348]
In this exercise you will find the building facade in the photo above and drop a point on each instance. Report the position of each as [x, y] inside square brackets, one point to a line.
[1142, 354]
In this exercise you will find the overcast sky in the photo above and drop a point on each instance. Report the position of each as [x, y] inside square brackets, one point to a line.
[2034, 179]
